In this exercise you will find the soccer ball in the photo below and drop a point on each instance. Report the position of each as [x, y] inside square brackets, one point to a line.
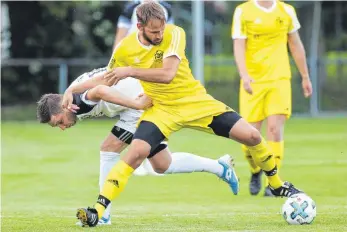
[299, 209]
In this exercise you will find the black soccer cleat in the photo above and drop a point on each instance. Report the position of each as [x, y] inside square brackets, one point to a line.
[88, 217]
[255, 184]
[286, 190]
[267, 192]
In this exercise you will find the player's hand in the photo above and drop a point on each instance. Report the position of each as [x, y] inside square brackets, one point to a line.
[144, 101]
[67, 102]
[306, 87]
[247, 81]
[115, 75]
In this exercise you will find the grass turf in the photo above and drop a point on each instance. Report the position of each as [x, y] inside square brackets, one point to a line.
[48, 173]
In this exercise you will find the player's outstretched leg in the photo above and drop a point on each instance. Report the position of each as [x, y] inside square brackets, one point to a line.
[229, 174]
[258, 148]
[182, 162]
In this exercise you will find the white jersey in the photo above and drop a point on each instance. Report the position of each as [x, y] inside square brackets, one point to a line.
[129, 87]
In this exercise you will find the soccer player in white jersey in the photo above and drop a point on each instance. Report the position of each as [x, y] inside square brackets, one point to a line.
[112, 101]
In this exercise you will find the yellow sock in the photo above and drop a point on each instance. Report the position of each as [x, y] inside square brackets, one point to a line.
[114, 184]
[266, 161]
[278, 150]
[252, 166]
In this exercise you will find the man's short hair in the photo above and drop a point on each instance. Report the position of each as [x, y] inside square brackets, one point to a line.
[149, 10]
[48, 105]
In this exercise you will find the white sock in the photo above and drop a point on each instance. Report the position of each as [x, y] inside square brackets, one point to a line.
[185, 163]
[107, 161]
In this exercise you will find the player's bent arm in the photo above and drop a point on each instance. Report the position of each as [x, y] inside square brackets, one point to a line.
[240, 56]
[158, 75]
[88, 84]
[298, 52]
[108, 94]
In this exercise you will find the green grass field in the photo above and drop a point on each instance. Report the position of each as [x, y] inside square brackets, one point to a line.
[48, 173]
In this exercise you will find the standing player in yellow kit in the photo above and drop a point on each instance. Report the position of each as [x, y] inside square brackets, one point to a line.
[261, 31]
[156, 56]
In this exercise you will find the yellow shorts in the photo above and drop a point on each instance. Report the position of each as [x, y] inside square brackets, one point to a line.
[193, 112]
[267, 99]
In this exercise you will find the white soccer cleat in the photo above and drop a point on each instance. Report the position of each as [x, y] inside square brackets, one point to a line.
[146, 169]
[141, 171]
[229, 174]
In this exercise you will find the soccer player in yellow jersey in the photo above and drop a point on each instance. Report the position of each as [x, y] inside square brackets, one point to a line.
[156, 56]
[261, 31]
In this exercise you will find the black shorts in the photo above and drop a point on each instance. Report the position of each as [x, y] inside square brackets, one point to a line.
[222, 124]
[126, 137]
[150, 133]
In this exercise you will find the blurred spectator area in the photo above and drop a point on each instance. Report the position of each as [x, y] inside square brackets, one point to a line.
[40, 41]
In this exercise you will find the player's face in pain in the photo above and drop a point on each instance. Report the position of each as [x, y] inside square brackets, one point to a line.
[63, 120]
[153, 32]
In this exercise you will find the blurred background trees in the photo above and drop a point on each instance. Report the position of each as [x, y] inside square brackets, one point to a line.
[86, 29]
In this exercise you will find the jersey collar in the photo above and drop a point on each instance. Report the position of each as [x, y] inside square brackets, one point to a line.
[142, 45]
[267, 10]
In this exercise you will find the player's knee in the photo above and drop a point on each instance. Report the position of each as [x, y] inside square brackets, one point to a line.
[139, 153]
[160, 170]
[274, 132]
[254, 137]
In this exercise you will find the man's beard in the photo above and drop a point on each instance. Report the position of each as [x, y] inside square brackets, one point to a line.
[148, 39]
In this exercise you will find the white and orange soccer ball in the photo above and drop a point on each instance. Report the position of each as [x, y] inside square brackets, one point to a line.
[299, 209]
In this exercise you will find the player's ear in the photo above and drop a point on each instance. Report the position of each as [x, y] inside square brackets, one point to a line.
[139, 26]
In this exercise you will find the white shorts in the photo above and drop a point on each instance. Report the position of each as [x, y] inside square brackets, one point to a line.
[128, 120]
[129, 87]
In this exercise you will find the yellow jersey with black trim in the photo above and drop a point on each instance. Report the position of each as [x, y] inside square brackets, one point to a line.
[131, 52]
[266, 33]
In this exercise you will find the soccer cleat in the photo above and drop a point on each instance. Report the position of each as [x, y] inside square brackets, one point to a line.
[267, 192]
[286, 190]
[88, 217]
[229, 174]
[140, 171]
[255, 183]
[105, 221]
[102, 222]
[146, 169]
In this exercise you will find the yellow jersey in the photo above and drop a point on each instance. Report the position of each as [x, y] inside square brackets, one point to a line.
[266, 33]
[131, 52]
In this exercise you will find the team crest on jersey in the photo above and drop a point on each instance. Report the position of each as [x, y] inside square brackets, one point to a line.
[279, 21]
[158, 56]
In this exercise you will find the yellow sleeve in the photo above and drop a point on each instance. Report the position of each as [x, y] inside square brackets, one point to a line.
[238, 28]
[295, 24]
[117, 58]
[177, 44]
